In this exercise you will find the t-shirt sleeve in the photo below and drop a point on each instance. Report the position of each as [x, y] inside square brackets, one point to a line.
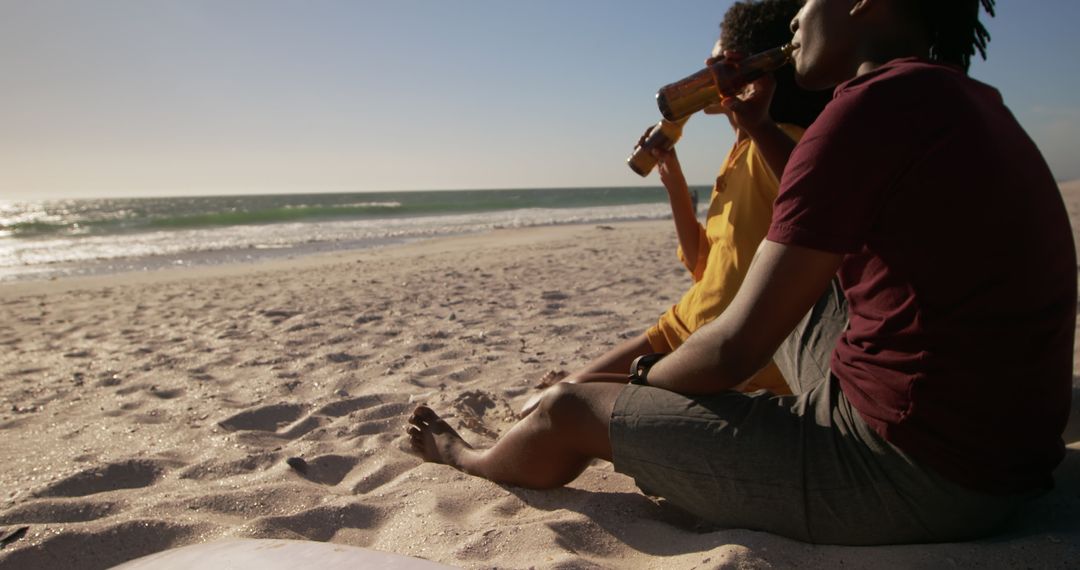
[839, 174]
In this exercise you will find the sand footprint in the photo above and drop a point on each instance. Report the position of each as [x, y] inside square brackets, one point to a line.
[389, 410]
[277, 316]
[165, 394]
[477, 408]
[368, 481]
[247, 503]
[325, 469]
[320, 523]
[365, 319]
[346, 407]
[429, 371]
[129, 474]
[266, 418]
[275, 420]
[304, 427]
[214, 469]
[108, 546]
[384, 419]
[367, 414]
[59, 511]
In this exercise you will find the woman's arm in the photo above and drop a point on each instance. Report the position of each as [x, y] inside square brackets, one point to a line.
[687, 227]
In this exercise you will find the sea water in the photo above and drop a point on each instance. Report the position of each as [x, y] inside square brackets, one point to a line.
[49, 239]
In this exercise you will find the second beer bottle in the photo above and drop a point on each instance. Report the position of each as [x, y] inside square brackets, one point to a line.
[685, 97]
[663, 136]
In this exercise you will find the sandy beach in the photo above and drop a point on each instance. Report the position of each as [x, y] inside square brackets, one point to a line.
[150, 411]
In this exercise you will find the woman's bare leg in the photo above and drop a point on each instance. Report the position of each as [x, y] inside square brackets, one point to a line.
[612, 366]
[617, 360]
[549, 448]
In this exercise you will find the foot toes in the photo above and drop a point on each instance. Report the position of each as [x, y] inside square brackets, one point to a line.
[425, 414]
[439, 427]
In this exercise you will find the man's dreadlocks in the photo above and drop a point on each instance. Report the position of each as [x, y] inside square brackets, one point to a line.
[954, 28]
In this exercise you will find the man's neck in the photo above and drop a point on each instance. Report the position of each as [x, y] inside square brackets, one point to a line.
[886, 49]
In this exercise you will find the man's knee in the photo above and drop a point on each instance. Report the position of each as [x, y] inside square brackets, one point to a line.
[578, 414]
[565, 406]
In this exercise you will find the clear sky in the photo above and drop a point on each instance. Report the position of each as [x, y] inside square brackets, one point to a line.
[156, 97]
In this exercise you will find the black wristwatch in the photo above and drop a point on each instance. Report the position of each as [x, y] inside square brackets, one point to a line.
[639, 369]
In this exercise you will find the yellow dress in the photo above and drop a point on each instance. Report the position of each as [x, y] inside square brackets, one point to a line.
[740, 210]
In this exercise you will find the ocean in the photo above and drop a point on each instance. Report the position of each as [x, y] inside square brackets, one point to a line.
[59, 238]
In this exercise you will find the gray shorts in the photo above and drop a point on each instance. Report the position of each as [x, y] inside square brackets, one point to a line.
[804, 466]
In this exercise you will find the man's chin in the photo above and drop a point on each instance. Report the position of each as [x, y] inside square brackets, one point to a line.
[811, 81]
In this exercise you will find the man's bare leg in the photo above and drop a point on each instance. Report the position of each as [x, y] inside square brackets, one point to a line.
[549, 448]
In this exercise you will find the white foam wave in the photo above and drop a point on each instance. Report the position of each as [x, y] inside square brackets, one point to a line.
[18, 256]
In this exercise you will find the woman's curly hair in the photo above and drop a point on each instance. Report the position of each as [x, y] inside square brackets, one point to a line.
[752, 26]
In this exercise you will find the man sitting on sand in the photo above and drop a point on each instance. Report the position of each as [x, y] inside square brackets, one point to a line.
[941, 408]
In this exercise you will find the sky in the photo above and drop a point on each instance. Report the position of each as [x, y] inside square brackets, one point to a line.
[117, 98]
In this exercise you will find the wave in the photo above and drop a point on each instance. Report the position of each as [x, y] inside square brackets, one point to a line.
[103, 217]
[41, 224]
[289, 213]
[21, 259]
[81, 237]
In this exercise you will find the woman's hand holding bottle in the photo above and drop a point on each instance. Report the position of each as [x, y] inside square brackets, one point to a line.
[668, 166]
[749, 109]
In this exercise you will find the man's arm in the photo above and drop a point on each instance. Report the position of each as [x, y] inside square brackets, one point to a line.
[783, 282]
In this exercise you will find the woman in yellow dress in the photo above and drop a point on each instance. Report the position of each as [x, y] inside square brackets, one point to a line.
[717, 253]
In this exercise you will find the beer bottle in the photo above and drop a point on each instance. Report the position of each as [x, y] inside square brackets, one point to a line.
[702, 89]
[663, 136]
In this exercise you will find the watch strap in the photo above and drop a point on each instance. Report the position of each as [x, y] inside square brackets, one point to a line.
[639, 368]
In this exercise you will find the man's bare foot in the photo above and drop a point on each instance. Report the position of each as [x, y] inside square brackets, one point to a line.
[434, 439]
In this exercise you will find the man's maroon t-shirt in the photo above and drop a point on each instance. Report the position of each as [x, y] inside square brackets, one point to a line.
[960, 271]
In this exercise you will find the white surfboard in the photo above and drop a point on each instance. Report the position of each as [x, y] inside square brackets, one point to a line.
[264, 554]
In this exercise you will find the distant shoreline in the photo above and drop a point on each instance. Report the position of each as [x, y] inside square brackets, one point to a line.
[44, 241]
[478, 241]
